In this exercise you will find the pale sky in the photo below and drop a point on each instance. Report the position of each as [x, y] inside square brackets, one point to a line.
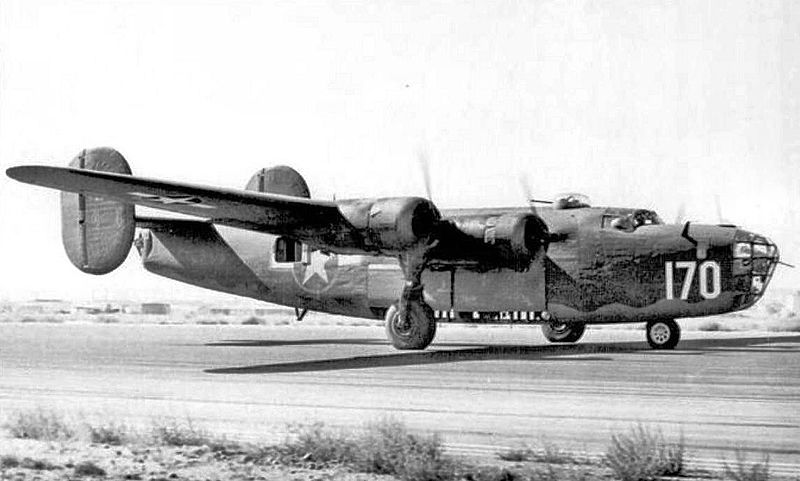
[647, 103]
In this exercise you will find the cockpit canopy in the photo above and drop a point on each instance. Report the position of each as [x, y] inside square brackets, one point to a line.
[628, 220]
[571, 201]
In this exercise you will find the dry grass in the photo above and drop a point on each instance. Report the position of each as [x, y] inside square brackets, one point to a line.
[549, 453]
[111, 433]
[642, 454]
[176, 433]
[384, 447]
[744, 471]
[39, 424]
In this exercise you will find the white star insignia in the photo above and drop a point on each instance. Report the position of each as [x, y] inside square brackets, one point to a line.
[173, 199]
[316, 266]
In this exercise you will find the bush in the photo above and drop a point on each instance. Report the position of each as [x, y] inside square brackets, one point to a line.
[318, 444]
[549, 454]
[173, 433]
[388, 448]
[643, 455]
[109, 433]
[384, 447]
[88, 468]
[516, 455]
[744, 472]
[39, 424]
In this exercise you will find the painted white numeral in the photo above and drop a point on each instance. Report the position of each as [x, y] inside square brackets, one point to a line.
[709, 271]
[716, 280]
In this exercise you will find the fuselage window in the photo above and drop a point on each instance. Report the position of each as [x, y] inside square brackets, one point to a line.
[287, 250]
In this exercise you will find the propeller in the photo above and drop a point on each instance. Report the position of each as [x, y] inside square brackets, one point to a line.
[718, 205]
[681, 216]
[526, 191]
[424, 165]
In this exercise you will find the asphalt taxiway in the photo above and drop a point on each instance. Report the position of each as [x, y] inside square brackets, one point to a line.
[482, 388]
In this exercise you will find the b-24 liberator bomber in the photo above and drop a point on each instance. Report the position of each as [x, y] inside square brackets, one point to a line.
[563, 266]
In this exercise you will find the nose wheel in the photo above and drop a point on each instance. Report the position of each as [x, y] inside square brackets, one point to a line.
[663, 334]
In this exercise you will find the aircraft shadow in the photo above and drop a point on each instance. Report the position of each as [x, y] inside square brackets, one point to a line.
[511, 352]
[321, 342]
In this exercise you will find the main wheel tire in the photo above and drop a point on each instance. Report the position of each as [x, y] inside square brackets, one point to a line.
[416, 331]
[563, 332]
[663, 334]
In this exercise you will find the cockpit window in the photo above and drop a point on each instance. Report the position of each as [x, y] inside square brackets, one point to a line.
[633, 220]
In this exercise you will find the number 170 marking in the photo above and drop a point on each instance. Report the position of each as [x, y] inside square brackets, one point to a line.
[709, 271]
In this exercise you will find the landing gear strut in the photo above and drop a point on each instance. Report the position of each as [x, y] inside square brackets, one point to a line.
[663, 334]
[410, 323]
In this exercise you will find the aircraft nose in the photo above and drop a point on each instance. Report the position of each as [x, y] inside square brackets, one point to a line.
[754, 260]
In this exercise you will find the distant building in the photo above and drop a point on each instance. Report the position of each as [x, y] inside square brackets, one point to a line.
[155, 308]
[795, 304]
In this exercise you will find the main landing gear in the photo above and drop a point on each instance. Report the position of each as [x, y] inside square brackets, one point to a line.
[663, 334]
[410, 324]
[562, 331]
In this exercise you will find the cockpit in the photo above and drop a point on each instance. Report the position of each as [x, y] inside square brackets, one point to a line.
[628, 220]
[754, 260]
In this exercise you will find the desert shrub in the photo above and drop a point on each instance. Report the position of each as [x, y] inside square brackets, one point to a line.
[384, 447]
[8, 461]
[88, 468]
[39, 424]
[387, 447]
[109, 433]
[174, 433]
[516, 455]
[642, 454]
[549, 454]
[744, 471]
[321, 445]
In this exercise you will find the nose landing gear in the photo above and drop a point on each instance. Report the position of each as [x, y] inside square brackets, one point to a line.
[663, 334]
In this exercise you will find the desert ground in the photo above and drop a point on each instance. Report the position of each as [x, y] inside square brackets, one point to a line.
[732, 387]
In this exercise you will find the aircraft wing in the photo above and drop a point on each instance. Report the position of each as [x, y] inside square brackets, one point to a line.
[315, 222]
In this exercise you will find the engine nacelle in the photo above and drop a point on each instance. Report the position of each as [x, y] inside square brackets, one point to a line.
[391, 225]
[506, 240]
[97, 233]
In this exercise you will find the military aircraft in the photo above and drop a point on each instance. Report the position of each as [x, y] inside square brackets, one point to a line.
[563, 266]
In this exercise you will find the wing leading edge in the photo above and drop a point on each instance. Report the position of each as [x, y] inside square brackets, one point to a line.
[316, 222]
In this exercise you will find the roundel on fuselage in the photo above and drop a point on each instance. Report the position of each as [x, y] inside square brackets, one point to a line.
[280, 179]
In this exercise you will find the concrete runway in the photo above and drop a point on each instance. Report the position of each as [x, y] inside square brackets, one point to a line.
[482, 388]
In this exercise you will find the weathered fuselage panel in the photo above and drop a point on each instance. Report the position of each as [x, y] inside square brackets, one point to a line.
[594, 273]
